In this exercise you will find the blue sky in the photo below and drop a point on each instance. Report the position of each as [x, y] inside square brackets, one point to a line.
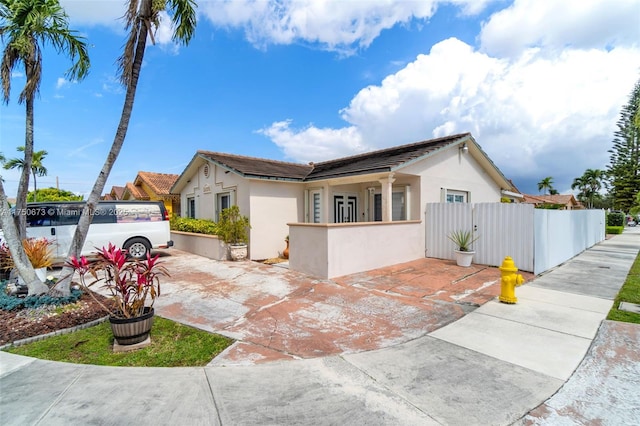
[539, 84]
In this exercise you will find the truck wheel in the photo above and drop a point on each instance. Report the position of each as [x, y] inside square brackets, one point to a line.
[137, 248]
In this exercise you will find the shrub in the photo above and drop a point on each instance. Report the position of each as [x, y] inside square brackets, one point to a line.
[9, 303]
[198, 226]
[233, 226]
[615, 219]
[614, 229]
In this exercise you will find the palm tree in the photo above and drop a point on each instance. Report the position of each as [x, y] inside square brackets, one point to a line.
[37, 168]
[140, 17]
[26, 26]
[589, 185]
[546, 184]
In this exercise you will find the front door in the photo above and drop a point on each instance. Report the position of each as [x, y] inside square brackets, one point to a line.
[345, 208]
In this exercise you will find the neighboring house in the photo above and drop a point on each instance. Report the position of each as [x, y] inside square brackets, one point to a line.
[115, 193]
[149, 186]
[563, 202]
[317, 203]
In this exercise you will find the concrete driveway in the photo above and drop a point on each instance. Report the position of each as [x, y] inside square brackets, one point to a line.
[277, 314]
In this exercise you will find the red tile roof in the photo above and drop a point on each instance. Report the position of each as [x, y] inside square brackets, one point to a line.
[136, 192]
[563, 199]
[160, 183]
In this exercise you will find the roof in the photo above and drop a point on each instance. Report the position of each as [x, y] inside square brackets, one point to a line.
[258, 167]
[136, 192]
[380, 161]
[385, 160]
[160, 183]
[564, 199]
[117, 192]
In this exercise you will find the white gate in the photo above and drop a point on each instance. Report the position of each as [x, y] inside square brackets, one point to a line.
[502, 229]
[536, 239]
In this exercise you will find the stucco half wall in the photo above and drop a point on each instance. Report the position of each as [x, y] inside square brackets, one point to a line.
[336, 249]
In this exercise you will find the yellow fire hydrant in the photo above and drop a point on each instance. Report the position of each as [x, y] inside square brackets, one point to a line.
[509, 281]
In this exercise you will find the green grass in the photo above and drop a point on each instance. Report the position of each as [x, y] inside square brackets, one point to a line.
[630, 292]
[172, 345]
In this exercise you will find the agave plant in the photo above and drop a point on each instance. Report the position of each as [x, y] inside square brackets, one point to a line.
[462, 239]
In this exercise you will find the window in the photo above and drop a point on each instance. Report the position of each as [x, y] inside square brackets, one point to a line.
[398, 205]
[223, 201]
[313, 206]
[456, 196]
[316, 207]
[191, 207]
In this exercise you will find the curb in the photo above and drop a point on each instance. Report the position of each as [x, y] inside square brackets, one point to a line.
[53, 333]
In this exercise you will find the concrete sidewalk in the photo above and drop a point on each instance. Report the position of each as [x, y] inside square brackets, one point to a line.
[497, 365]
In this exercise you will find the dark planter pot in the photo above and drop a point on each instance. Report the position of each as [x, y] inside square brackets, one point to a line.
[129, 331]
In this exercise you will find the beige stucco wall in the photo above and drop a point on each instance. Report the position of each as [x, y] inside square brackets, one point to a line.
[347, 248]
[268, 204]
[452, 169]
[203, 245]
[272, 206]
[205, 188]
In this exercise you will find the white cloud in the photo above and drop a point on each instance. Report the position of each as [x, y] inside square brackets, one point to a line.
[109, 13]
[96, 12]
[334, 25]
[530, 114]
[61, 82]
[343, 26]
[559, 24]
[326, 143]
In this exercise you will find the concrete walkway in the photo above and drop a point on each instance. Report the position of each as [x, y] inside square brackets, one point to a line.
[496, 365]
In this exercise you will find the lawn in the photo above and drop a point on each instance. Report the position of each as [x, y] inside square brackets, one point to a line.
[630, 292]
[172, 345]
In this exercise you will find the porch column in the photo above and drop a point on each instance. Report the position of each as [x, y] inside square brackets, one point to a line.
[387, 197]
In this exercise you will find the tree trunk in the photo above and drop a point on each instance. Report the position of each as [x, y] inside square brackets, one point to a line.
[20, 260]
[23, 185]
[35, 188]
[80, 235]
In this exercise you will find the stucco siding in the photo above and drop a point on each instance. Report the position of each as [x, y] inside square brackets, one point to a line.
[272, 206]
[454, 170]
[347, 248]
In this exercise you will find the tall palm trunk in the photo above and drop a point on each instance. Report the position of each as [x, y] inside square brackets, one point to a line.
[23, 186]
[82, 229]
[20, 260]
[35, 188]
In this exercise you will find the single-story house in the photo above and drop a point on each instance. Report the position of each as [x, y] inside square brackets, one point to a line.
[115, 193]
[150, 186]
[560, 201]
[371, 203]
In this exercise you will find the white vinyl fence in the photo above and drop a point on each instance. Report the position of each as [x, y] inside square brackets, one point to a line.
[536, 239]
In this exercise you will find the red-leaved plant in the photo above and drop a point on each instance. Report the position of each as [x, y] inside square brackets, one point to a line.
[129, 281]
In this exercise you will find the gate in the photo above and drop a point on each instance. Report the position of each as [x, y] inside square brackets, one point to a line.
[502, 229]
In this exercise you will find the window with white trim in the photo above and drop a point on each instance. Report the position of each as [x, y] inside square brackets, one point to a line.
[191, 207]
[453, 196]
[314, 214]
[223, 201]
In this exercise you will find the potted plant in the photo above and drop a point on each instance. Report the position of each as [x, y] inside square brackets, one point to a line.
[133, 285]
[285, 253]
[463, 240]
[233, 229]
[38, 250]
